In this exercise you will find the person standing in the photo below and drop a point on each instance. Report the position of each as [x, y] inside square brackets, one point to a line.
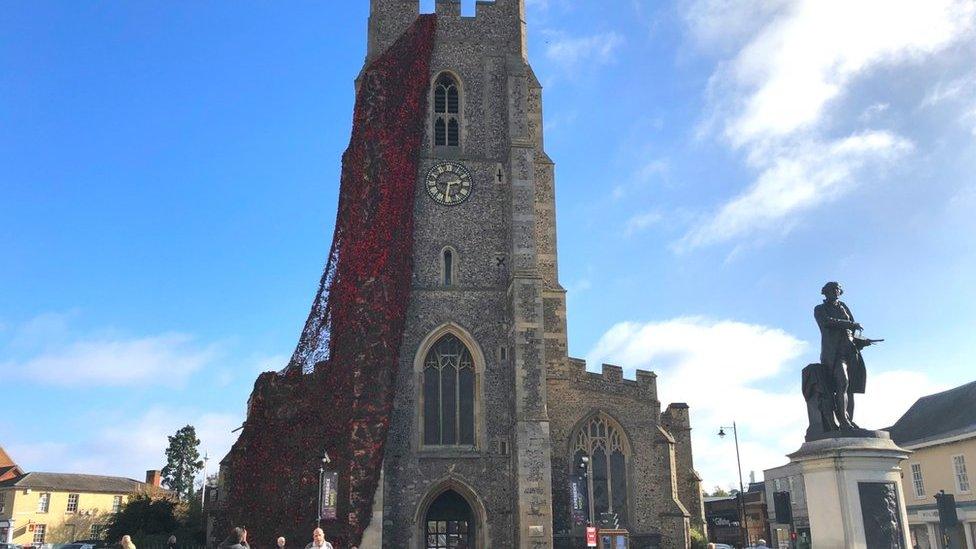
[171, 542]
[236, 540]
[281, 542]
[318, 540]
[126, 542]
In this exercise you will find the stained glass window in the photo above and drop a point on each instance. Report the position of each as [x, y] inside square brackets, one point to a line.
[601, 440]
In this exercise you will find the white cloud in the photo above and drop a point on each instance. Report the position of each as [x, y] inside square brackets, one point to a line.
[794, 178]
[657, 167]
[720, 25]
[964, 87]
[129, 446]
[722, 369]
[808, 55]
[573, 52]
[50, 353]
[642, 221]
[874, 111]
[771, 98]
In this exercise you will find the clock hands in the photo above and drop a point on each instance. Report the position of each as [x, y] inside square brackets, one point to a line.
[448, 184]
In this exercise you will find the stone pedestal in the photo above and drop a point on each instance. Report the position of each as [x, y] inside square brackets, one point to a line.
[854, 492]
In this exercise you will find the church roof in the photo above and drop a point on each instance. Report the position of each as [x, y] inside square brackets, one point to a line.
[933, 417]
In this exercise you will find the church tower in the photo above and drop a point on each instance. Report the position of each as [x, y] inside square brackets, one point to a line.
[468, 457]
[438, 335]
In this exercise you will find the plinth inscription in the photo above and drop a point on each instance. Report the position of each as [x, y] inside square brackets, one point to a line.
[882, 519]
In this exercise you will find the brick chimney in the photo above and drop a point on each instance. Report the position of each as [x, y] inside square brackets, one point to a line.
[154, 478]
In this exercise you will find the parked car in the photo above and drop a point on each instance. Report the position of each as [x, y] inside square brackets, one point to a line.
[10, 546]
[77, 545]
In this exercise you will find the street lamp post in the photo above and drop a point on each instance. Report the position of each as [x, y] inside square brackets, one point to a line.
[744, 524]
[203, 489]
[318, 510]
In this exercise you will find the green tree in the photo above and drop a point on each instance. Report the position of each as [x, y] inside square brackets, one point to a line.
[182, 462]
[145, 516]
[151, 516]
[720, 492]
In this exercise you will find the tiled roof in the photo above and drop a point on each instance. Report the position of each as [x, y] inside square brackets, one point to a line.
[942, 415]
[68, 482]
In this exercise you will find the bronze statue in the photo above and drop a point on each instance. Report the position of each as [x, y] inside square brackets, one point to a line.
[829, 387]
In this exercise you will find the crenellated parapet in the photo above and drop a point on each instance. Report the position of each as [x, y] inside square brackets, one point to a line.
[610, 380]
[503, 20]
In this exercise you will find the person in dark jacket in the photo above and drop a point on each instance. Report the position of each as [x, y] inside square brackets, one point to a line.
[236, 540]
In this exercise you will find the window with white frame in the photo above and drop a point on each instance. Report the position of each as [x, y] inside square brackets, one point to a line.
[917, 482]
[39, 531]
[72, 504]
[116, 504]
[962, 477]
[43, 503]
[3, 504]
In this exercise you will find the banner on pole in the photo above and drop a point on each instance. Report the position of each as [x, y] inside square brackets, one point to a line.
[577, 497]
[329, 496]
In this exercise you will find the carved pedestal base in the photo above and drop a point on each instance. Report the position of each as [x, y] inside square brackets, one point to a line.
[854, 492]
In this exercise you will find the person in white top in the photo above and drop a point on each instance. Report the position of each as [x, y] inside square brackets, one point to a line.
[318, 540]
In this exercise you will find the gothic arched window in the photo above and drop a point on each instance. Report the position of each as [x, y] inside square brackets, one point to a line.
[447, 112]
[605, 446]
[448, 384]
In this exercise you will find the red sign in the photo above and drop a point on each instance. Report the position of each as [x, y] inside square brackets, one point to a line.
[590, 536]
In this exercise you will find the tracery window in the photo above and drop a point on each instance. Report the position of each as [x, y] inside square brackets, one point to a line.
[448, 385]
[602, 442]
[447, 112]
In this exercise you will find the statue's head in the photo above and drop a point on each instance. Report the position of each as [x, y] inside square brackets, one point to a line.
[832, 289]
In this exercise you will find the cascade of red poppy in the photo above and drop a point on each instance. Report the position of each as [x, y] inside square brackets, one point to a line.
[337, 392]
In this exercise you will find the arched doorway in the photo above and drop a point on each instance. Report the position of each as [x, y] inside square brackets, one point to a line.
[449, 523]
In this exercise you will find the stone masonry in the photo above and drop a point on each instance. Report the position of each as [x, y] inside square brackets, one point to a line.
[507, 306]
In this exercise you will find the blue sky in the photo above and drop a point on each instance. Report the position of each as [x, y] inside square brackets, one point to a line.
[168, 177]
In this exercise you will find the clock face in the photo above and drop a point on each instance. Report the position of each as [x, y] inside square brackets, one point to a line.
[448, 183]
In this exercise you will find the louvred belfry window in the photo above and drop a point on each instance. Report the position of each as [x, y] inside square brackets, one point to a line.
[448, 385]
[447, 112]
